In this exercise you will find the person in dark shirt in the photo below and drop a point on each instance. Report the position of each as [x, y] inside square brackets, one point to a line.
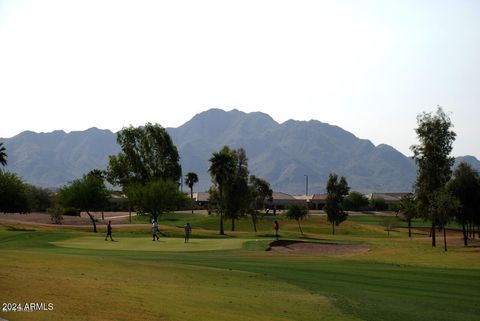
[109, 231]
[188, 230]
[276, 227]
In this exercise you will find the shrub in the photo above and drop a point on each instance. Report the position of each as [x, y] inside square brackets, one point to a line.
[355, 201]
[55, 215]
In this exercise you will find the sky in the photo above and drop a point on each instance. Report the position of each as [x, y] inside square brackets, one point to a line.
[369, 67]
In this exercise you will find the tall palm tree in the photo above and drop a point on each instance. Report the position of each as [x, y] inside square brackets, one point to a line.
[191, 179]
[222, 164]
[408, 207]
[3, 155]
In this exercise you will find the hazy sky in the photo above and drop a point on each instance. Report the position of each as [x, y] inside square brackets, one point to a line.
[367, 66]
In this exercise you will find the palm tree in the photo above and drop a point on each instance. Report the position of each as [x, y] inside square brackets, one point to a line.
[3, 155]
[261, 192]
[190, 180]
[222, 164]
[408, 207]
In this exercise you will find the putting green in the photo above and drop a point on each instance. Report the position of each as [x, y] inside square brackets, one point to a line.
[146, 244]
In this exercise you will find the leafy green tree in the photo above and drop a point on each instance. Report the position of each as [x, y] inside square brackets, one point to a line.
[432, 156]
[222, 164]
[156, 197]
[336, 191]
[444, 207]
[408, 208]
[213, 200]
[100, 174]
[3, 155]
[395, 207]
[118, 172]
[378, 204]
[14, 194]
[148, 154]
[355, 201]
[86, 194]
[465, 186]
[42, 198]
[191, 179]
[297, 212]
[260, 192]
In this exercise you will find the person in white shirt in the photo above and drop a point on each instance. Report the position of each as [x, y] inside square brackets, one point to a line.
[155, 230]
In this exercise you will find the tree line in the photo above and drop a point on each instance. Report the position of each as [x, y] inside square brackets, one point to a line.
[147, 171]
[17, 196]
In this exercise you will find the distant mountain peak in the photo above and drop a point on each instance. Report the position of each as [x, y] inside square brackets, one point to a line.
[233, 113]
[28, 132]
[471, 160]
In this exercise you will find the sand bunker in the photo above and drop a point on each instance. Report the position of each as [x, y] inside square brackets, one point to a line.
[316, 248]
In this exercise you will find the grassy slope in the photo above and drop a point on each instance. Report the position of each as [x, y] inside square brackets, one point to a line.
[399, 279]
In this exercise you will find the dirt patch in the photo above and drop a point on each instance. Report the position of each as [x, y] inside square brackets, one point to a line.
[82, 220]
[316, 248]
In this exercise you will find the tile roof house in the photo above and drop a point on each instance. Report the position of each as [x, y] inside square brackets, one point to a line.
[315, 202]
[281, 200]
[318, 201]
[390, 198]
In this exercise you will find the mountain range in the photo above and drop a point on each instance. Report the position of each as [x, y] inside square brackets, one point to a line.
[283, 154]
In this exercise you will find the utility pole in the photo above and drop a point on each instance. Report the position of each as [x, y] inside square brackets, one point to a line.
[306, 184]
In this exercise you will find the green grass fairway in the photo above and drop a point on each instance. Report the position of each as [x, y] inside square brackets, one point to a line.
[233, 278]
[146, 244]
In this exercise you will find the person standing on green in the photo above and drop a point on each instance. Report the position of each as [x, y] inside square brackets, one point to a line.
[155, 230]
[276, 227]
[188, 230]
[109, 231]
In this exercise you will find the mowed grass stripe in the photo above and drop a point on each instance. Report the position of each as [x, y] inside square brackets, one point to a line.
[377, 291]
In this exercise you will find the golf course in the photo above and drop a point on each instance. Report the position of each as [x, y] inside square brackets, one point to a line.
[361, 273]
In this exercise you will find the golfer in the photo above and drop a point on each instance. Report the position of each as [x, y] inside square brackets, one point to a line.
[188, 230]
[155, 230]
[276, 227]
[109, 231]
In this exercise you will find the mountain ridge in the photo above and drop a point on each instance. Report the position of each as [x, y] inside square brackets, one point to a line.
[281, 153]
